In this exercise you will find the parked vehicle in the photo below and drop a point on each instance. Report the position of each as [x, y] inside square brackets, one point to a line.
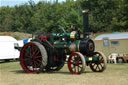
[8, 47]
[113, 43]
[26, 40]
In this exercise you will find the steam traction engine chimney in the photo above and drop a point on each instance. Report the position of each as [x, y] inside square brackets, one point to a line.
[86, 45]
[85, 22]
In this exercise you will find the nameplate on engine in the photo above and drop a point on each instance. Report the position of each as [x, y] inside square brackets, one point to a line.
[90, 58]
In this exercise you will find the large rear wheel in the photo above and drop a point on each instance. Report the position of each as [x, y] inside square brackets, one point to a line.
[33, 57]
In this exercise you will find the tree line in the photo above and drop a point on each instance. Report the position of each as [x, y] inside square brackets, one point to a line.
[104, 16]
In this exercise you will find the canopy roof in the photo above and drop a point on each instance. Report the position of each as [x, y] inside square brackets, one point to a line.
[113, 36]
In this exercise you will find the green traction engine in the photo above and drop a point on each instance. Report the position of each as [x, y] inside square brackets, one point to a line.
[50, 51]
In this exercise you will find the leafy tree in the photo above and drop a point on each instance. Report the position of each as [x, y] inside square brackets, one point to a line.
[104, 16]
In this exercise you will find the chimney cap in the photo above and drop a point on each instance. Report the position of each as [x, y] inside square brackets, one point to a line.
[85, 11]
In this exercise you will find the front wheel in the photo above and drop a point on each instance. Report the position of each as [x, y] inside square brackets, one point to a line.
[100, 65]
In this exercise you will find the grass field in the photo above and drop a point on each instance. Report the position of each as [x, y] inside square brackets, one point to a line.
[17, 35]
[12, 74]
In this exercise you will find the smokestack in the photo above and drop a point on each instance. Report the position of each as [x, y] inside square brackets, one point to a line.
[85, 22]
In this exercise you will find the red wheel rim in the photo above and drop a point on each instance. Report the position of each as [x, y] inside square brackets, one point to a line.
[75, 63]
[100, 65]
[31, 58]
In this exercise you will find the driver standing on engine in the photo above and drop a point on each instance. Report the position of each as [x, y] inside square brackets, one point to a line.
[75, 31]
[73, 28]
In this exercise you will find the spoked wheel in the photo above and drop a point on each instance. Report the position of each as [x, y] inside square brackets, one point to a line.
[33, 57]
[59, 65]
[100, 65]
[56, 68]
[76, 63]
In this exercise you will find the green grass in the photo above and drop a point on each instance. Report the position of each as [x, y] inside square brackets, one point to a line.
[11, 73]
